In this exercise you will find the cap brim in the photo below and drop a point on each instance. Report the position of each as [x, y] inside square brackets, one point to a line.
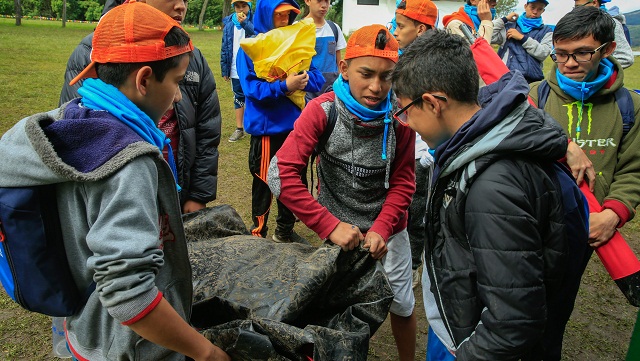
[285, 6]
[88, 72]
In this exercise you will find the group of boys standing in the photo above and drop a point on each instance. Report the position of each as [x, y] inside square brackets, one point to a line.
[494, 238]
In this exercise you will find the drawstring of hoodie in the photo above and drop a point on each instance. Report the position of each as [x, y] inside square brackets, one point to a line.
[343, 92]
[582, 91]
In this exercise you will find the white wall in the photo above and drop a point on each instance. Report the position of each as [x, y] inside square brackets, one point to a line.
[355, 16]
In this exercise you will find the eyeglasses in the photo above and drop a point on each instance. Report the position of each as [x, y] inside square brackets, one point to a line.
[401, 115]
[578, 56]
[581, 5]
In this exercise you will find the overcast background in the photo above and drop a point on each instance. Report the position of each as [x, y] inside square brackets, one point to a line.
[557, 8]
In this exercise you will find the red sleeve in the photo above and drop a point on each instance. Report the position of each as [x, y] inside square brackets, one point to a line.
[291, 158]
[620, 210]
[402, 185]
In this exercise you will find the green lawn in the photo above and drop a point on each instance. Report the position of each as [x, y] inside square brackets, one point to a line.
[32, 62]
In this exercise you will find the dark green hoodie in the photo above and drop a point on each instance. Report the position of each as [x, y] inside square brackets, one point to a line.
[615, 160]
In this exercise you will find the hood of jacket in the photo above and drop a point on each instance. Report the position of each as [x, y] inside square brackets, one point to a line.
[263, 17]
[506, 125]
[71, 143]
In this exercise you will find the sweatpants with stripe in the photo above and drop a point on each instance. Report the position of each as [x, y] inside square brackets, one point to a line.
[261, 150]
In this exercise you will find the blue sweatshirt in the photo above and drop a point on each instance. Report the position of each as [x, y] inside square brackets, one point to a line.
[268, 111]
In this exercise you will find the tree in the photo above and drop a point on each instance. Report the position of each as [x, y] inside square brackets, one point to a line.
[201, 17]
[64, 13]
[18, 8]
[504, 7]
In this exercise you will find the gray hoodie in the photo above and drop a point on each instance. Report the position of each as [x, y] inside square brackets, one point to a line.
[120, 218]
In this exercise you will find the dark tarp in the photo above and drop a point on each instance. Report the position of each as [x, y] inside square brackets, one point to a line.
[261, 300]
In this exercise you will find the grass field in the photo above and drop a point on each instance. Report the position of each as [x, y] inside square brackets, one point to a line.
[32, 62]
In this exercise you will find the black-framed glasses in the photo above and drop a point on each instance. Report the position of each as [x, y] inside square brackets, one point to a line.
[401, 115]
[581, 5]
[578, 56]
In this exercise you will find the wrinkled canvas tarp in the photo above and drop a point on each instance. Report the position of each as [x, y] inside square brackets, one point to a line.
[261, 300]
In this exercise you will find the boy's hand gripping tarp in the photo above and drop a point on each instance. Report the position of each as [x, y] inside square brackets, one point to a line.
[281, 52]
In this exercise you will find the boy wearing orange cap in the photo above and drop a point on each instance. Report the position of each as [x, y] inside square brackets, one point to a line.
[116, 195]
[269, 115]
[413, 18]
[365, 169]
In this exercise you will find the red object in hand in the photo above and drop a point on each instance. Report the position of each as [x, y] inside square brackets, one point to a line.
[616, 255]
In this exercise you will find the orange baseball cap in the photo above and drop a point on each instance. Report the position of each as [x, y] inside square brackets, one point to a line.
[424, 11]
[363, 43]
[286, 6]
[131, 33]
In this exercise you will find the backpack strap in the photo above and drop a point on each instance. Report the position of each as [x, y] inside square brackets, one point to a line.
[334, 28]
[625, 104]
[543, 94]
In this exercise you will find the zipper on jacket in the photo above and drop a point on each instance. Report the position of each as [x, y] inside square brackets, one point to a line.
[432, 271]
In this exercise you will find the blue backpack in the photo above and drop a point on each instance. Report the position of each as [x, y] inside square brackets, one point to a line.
[33, 264]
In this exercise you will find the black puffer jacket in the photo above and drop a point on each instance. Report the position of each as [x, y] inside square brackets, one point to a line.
[198, 118]
[495, 233]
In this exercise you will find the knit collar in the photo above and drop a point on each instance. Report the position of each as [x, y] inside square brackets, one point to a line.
[343, 92]
[98, 95]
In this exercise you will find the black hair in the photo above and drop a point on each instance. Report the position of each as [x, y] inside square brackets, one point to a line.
[403, 6]
[117, 73]
[585, 21]
[381, 39]
[437, 61]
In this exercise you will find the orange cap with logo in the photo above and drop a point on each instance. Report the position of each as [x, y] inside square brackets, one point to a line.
[363, 43]
[133, 32]
[424, 11]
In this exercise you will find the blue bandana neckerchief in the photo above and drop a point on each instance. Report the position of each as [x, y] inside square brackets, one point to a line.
[342, 91]
[98, 95]
[234, 17]
[526, 24]
[472, 11]
[583, 90]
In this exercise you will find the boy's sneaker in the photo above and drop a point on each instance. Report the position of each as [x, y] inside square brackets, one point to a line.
[237, 135]
[293, 237]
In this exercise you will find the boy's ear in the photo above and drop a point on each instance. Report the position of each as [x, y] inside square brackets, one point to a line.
[142, 78]
[610, 48]
[431, 103]
[343, 69]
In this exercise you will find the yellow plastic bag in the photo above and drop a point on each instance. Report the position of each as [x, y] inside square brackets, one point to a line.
[281, 52]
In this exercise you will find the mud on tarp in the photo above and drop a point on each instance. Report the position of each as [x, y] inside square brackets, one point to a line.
[260, 300]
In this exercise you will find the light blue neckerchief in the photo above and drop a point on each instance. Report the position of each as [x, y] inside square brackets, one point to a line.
[585, 89]
[234, 17]
[472, 11]
[526, 24]
[98, 95]
[343, 92]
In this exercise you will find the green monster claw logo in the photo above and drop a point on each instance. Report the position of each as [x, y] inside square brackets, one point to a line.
[580, 106]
